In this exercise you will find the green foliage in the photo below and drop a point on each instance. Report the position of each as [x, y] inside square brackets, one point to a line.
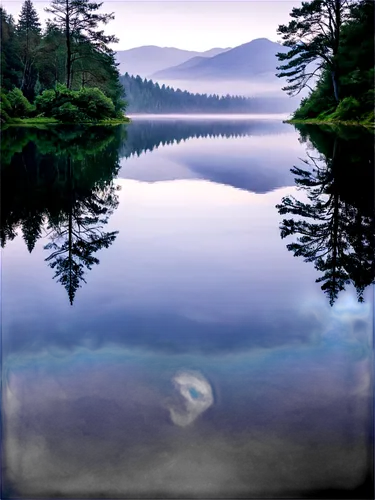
[311, 107]
[88, 104]
[19, 105]
[11, 67]
[4, 117]
[79, 20]
[313, 40]
[4, 101]
[69, 113]
[35, 60]
[355, 64]
[50, 101]
[348, 109]
[95, 104]
[27, 46]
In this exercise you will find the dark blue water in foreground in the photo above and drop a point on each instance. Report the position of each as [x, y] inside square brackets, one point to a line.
[158, 338]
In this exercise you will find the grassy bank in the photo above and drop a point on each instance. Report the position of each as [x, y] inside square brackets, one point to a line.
[331, 121]
[41, 121]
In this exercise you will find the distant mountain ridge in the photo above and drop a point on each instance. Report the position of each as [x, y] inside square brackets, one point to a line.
[249, 60]
[149, 59]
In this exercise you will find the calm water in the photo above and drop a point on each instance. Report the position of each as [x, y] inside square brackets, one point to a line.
[160, 339]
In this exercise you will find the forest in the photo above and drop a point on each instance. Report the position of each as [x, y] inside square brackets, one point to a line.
[333, 42]
[146, 96]
[67, 72]
[64, 72]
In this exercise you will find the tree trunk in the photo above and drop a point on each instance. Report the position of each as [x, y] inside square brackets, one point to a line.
[335, 85]
[68, 47]
[336, 46]
[70, 231]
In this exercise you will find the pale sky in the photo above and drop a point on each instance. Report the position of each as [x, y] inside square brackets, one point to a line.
[191, 25]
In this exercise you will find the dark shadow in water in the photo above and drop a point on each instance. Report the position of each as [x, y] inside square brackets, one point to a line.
[60, 182]
[335, 227]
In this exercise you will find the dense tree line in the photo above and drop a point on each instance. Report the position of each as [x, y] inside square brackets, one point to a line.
[71, 51]
[146, 96]
[335, 226]
[334, 41]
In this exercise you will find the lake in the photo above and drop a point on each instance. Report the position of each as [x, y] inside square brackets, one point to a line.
[187, 310]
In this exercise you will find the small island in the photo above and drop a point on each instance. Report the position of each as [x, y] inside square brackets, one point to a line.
[65, 73]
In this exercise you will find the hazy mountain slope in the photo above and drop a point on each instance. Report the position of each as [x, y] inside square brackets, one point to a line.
[245, 61]
[146, 60]
[189, 63]
[214, 52]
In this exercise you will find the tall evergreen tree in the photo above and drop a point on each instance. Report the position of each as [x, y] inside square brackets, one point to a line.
[313, 36]
[28, 44]
[79, 20]
[10, 64]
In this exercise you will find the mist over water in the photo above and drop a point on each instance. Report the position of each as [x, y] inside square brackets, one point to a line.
[248, 88]
[208, 117]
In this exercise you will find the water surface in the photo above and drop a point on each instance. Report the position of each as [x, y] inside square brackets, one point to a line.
[159, 338]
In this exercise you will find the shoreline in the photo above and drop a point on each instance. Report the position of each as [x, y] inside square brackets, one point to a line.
[316, 121]
[33, 122]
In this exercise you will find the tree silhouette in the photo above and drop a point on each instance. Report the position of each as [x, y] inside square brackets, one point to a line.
[78, 234]
[335, 227]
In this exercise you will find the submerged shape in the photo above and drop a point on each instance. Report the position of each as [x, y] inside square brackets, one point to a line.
[194, 395]
[195, 388]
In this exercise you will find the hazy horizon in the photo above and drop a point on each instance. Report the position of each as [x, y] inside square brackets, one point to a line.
[169, 23]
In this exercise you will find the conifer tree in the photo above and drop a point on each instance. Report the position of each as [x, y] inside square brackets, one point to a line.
[28, 42]
[79, 20]
[313, 37]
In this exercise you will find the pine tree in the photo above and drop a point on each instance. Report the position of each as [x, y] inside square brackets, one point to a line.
[313, 37]
[79, 20]
[28, 43]
[11, 69]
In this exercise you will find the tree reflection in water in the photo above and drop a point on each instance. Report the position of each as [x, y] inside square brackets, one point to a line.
[60, 182]
[335, 227]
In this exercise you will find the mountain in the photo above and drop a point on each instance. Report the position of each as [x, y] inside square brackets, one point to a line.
[149, 59]
[249, 60]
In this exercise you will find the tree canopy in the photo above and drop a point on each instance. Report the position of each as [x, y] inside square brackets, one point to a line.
[331, 42]
[79, 21]
[71, 49]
